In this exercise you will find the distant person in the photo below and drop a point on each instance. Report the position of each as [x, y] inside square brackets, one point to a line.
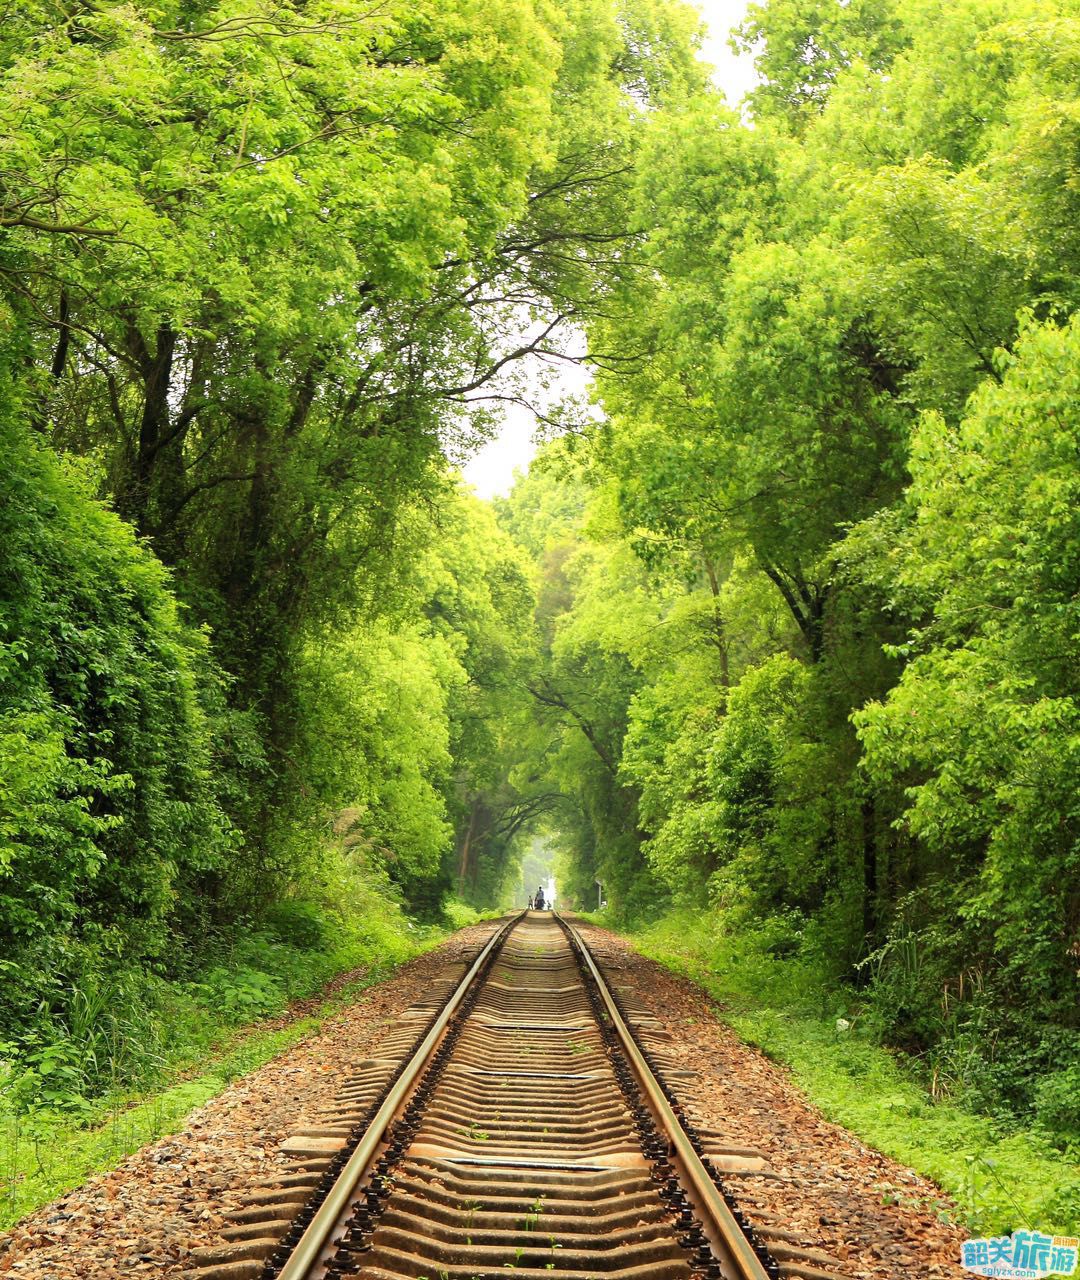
[530, 902]
[539, 899]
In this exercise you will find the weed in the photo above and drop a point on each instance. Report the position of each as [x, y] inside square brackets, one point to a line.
[998, 1172]
[80, 1092]
[532, 1215]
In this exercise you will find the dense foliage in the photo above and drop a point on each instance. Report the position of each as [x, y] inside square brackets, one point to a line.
[265, 272]
[810, 618]
[786, 636]
[109, 808]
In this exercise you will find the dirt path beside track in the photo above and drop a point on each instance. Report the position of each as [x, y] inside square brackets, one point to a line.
[874, 1217]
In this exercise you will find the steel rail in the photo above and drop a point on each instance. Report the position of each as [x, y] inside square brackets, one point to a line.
[316, 1239]
[717, 1220]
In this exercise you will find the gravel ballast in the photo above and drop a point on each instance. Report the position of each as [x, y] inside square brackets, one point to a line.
[872, 1218]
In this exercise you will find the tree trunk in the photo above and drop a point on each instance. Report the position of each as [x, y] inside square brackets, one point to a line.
[466, 847]
[718, 627]
[135, 505]
[806, 602]
[871, 913]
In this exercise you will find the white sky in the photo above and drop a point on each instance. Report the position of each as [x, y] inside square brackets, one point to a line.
[491, 469]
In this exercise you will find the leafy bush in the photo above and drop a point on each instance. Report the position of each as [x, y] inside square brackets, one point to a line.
[242, 994]
[105, 757]
[1057, 1104]
[458, 914]
[101, 1031]
[299, 924]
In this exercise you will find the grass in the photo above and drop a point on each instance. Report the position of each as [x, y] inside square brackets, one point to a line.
[458, 914]
[45, 1152]
[180, 1047]
[1002, 1176]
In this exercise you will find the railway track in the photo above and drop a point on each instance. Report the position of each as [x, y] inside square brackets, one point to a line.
[515, 1124]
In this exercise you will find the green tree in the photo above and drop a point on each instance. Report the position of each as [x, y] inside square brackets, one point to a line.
[981, 727]
[111, 827]
[803, 47]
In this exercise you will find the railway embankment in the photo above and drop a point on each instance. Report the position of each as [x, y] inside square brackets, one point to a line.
[532, 1097]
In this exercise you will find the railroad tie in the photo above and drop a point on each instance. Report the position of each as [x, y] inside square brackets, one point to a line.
[519, 1122]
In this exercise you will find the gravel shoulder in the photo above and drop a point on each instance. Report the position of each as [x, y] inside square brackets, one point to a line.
[144, 1217]
[874, 1218]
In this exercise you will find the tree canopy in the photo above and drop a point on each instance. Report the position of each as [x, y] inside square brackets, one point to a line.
[787, 630]
[809, 622]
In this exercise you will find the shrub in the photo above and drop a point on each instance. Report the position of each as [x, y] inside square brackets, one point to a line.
[1057, 1104]
[105, 766]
